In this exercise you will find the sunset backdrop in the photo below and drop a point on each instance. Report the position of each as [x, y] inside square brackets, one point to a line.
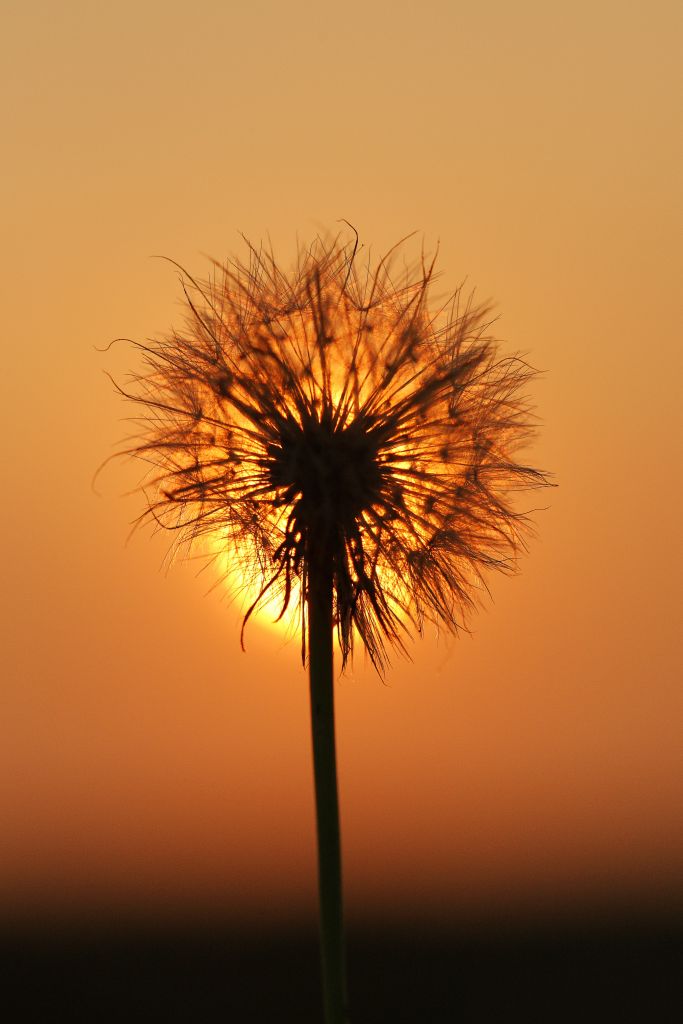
[149, 766]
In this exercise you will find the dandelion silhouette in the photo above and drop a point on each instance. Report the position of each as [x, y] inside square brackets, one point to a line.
[354, 450]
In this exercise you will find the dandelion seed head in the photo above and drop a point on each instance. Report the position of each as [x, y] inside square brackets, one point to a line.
[329, 422]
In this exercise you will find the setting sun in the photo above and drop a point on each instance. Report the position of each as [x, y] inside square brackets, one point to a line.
[233, 568]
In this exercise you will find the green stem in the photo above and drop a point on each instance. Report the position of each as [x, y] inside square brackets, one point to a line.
[320, 653]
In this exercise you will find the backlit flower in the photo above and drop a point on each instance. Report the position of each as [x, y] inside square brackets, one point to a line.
[329, 423]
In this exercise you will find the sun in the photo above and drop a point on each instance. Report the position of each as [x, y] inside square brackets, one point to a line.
[243, 576]
[243, 582]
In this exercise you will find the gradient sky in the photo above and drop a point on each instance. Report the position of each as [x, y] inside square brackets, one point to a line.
[146, 761]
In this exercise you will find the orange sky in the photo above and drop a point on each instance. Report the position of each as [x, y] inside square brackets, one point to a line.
[146, 760]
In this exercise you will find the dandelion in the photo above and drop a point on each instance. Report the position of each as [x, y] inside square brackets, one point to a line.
[354, 449]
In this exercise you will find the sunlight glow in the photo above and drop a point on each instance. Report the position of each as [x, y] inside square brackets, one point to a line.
[235, 571]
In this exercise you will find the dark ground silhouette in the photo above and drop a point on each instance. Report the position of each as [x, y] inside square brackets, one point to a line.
[600, 970]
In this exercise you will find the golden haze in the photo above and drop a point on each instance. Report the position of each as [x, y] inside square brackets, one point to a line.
[147, 762]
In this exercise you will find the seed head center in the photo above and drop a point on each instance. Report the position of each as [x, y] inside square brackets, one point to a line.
[329, 472]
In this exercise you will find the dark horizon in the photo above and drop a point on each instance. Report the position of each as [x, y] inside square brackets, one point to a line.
[624, 968]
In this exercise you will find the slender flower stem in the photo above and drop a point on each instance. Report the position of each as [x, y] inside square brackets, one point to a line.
[320, 638]
[380, 501]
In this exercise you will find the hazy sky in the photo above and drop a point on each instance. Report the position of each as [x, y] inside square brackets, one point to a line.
[147, 760]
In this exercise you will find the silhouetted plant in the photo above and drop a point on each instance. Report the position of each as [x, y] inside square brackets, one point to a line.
[354, 449]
